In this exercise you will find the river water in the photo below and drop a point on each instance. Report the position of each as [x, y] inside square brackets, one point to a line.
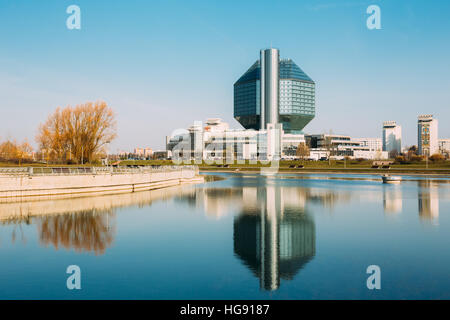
[243, 236]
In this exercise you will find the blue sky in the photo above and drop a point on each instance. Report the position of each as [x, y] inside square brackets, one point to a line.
[161, 65]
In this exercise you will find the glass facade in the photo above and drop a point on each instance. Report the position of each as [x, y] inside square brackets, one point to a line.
[247, 99]
[247, 104]
[296, 97]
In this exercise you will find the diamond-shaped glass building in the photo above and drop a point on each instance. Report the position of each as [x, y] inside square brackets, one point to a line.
[296, 95]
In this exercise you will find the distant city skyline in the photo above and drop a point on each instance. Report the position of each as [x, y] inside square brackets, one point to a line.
[162, 65]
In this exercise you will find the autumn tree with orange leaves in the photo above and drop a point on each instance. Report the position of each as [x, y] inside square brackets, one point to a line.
[10, 150]
[78, 134]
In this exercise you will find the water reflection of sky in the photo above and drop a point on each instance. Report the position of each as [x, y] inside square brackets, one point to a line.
[247, 236]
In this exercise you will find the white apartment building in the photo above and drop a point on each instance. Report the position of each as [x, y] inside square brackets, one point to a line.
[444, 147]
[392, 137]
[143, 152]
[138, 151]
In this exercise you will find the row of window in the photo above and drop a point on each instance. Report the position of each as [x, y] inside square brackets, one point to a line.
[305, 84]
[296, 83]
[282, 99]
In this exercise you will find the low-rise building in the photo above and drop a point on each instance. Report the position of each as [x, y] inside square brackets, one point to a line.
[148, 153]
[374, 144]
[444, 147]
[215, 141]
[340, 146]
[139, 152]
[162, 155]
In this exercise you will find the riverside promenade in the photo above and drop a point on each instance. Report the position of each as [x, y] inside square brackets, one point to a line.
[37, 183]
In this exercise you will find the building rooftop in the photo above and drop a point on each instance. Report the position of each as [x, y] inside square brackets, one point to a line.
[288, 70]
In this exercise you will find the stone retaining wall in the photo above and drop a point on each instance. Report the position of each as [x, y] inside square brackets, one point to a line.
[19, 187]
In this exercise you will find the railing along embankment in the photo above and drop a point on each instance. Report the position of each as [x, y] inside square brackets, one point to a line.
[76, 181]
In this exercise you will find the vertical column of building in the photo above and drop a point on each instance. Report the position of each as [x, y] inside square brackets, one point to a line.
[270, 82]
[270, 239]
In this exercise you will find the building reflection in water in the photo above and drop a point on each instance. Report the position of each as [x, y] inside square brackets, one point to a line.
[219, 202]
[273, 234]
[392, 199]
[428, 195]
[276, 238]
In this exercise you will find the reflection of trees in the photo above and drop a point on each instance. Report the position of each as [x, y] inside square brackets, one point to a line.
[79, 223]
[17, 227]
[83, 231]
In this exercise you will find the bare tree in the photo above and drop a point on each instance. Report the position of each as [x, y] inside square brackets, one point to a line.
[393, 154]
[328, 145]
[78, 133]
[302, 151]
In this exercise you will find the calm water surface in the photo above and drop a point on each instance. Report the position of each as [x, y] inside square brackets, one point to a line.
[244, 237]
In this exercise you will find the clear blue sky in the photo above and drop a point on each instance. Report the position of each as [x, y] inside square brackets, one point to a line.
[161, 65]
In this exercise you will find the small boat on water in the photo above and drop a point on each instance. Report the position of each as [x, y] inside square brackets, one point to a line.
[391, 179]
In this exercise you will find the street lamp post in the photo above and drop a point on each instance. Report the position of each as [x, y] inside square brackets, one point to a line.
[106, 150]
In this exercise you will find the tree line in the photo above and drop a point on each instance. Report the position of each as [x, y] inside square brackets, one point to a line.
[71, 135]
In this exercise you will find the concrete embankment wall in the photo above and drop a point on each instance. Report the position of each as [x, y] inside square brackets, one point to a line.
[23, 210]
[26, 187]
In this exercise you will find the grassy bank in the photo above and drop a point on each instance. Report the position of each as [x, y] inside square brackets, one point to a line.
[337, 170]
[352, 166]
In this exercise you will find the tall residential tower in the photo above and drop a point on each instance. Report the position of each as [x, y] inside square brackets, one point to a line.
[392, 137]
[427, 130]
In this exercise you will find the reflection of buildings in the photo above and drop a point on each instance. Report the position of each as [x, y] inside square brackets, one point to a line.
[218, 202]
[273, 235]
[428, 200]
[276, 239]
[392, 199]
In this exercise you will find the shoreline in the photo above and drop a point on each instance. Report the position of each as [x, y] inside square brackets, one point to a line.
[54, 206]
[401, 172]
[22, 187]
